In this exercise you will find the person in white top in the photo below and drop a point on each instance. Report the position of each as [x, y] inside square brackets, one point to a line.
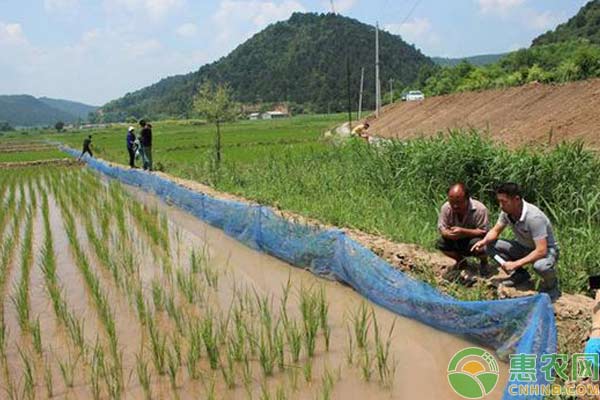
[534, 241]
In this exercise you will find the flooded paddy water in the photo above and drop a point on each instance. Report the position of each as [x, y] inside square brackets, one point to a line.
[128, 297]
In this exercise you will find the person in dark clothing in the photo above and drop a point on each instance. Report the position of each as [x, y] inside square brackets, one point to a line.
[146, 142]
[131, 146]
[87, 142]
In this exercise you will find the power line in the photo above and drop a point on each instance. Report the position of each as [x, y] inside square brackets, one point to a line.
[414, 7]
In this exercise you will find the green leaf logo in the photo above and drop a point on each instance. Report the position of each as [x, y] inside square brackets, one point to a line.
[473, 373]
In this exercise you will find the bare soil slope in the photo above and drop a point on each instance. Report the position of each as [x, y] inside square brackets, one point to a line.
[516, 116]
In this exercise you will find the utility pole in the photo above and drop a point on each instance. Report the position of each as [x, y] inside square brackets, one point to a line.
[349, 96]
[377, 83]
[362, 80]
[391, 91]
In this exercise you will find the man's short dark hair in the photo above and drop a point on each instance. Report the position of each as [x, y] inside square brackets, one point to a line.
[142, 122]
[509, 188]
[90, 136]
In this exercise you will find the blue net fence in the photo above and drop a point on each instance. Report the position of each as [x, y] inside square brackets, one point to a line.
[513, 326]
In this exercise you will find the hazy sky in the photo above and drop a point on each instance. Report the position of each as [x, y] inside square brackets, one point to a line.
[97, 50]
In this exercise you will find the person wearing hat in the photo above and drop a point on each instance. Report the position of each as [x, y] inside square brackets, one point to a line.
[131, 146]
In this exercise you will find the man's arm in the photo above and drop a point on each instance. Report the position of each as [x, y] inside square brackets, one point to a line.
[489, 237]
[468, 233]
[446, 231]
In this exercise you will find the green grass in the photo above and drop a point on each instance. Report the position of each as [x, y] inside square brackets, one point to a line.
[31, 156]
[394, 191]
[182, 147]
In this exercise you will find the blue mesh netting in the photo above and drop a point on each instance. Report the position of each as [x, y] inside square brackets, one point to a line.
[522, 325]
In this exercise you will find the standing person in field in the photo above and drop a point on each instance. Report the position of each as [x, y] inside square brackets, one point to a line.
[146, 142]
[534, 241]
[463, 221]
[131, 146]
[87, 143]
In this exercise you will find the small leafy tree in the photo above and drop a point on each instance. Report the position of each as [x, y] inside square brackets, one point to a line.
[5, 126]
[215, 103]
[59, 126]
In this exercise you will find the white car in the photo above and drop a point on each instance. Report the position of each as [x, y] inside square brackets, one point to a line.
[415, 95]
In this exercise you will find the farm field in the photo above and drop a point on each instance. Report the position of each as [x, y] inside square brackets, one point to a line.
[109, 293]
[393, 191]
[185, 147]
[25, 150]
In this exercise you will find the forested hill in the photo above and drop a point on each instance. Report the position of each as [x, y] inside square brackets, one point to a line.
[584, 25]
[301, 61]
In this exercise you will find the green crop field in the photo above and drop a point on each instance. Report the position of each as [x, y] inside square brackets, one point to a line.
[393, 190]
[31, 156]
[181, 147]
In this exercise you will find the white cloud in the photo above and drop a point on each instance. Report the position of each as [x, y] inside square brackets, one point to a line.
[340, 6]
[418, 31]
[498, 6]
[541, 21]
[101, 65]
[236, 20]
[60, 5]
[187, 30]
[11, 34]
[155, 9]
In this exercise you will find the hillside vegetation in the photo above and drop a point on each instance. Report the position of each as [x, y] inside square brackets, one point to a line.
[301, 61]
[571, 52]
[25, 110]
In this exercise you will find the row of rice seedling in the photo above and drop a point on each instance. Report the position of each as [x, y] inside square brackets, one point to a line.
[194, 326]
[362, 321]
[114, 373]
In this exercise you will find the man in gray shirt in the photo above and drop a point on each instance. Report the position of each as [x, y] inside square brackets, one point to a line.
[534, 241]
[463, 221]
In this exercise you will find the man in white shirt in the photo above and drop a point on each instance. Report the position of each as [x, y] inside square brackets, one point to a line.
[534, 241]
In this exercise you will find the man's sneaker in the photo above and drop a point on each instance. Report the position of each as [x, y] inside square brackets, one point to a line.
[516, 278]
[467, 278]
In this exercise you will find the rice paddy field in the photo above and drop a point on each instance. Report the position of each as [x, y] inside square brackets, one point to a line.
[26, 150]
[109, 293]
[394, 190]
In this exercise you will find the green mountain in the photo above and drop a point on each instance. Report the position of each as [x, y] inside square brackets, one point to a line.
[25, 110]
[79, 110]
[301, 61]
[483, 59]
[569, 53]
[584, 25]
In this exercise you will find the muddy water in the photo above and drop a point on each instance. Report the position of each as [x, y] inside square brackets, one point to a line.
[422, 353]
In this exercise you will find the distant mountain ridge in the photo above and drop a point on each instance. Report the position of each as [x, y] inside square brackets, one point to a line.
[478, 60]
[26, 110]
[75, 108]
[583, 25]
[301, 61]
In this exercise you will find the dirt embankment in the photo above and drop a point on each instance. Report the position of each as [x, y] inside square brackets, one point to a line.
[516, 116]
